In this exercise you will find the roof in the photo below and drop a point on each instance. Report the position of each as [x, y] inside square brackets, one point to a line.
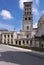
[23, 39]
[35, 28]
[4, 30]
[27, 2]
[7, 32]
[41, 18]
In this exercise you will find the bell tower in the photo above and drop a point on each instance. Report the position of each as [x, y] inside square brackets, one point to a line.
[27, 17]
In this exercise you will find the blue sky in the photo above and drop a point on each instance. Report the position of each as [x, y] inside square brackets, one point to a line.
[11, 13]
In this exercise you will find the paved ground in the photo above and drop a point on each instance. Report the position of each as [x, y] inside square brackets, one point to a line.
[15, 56]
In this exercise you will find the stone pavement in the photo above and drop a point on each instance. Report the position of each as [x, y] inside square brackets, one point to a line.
[10, 55]
[27, 51]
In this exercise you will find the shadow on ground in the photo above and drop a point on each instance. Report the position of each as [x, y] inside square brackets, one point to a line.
[16, 57]
[19, 58]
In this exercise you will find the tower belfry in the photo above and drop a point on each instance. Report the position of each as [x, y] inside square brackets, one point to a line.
[27, 17]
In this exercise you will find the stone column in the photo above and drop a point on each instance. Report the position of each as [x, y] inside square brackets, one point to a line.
[6, 38]
[29, 43]
[21, 42]
[25, 42]
[2, 38]
[9, 38]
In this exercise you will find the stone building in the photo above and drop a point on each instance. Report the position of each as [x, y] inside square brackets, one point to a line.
[8, 37]
[40, 30]
[25, 35]
[28, 36]
[39, 37]
[2, 31]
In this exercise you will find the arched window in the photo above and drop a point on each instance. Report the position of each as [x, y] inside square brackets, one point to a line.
[16, 42]
[19, 42]
[27, 41]
[23, 41]
[27, 27]
[27, 36]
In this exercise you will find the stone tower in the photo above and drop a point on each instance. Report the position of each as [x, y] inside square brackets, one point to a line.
[27, 17]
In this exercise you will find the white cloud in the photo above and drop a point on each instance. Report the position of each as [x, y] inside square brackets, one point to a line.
[6, 26]
[35, 11]
[35, 25]
[6, 14]
[34, 7]
[35, 2]
[21, 3]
